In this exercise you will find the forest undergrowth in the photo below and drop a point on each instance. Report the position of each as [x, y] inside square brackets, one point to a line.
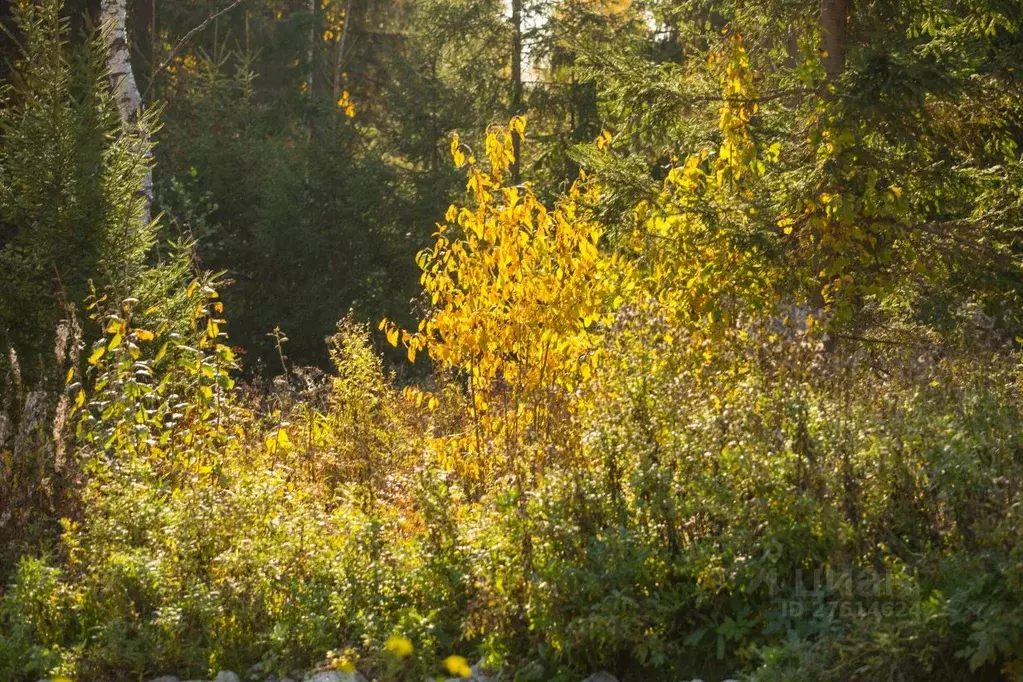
[764, 422]
[585, 480]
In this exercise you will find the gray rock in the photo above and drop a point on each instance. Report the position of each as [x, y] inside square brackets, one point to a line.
[329, 676]
[226, 676]
[165, 678]
[337, 676]
[479, 673]
[601, 676]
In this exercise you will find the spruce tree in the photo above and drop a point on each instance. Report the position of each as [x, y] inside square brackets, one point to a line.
[71, 176]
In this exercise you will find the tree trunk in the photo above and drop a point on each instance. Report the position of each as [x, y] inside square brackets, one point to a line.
[123, 86]
[143, 27]
[791, 48]
[311, 50]
[516, 75]
[346, 31]
[833, 19]
[343, 46]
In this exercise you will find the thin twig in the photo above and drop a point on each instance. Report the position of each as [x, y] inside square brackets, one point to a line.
[181, 43]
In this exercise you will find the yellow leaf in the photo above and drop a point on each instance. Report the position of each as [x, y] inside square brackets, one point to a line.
[70, 375]
[97, 354]
[585, 370]
[277, 439]
[456, 152]
[392, 336]
[144, 335]
[518, 124]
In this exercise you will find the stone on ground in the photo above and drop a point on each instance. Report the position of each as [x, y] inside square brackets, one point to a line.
[337, 676]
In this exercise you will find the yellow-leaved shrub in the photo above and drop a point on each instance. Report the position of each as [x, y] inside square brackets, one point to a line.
[518, 295]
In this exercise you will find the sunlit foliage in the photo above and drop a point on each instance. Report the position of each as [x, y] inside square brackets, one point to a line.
[742, 400]
[518, 295]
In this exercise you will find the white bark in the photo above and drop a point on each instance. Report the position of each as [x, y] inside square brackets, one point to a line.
[123, 86]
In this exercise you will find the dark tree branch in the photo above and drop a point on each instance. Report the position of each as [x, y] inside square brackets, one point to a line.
[188, 36]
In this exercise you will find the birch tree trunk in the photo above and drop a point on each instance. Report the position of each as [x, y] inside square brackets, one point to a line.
[125, 90]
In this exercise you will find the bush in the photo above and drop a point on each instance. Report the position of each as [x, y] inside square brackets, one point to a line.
[747, 496]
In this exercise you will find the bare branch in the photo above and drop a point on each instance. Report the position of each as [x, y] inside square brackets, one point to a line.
[188, 36]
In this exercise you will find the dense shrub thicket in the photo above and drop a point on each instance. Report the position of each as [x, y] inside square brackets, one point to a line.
[657, 500]
[807, 517]
[750, 409]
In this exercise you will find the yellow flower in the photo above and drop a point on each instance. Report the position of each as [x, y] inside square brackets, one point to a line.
[399, 646]
[456, 665]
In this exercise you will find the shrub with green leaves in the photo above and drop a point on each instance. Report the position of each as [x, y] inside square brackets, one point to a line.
[778, 510]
